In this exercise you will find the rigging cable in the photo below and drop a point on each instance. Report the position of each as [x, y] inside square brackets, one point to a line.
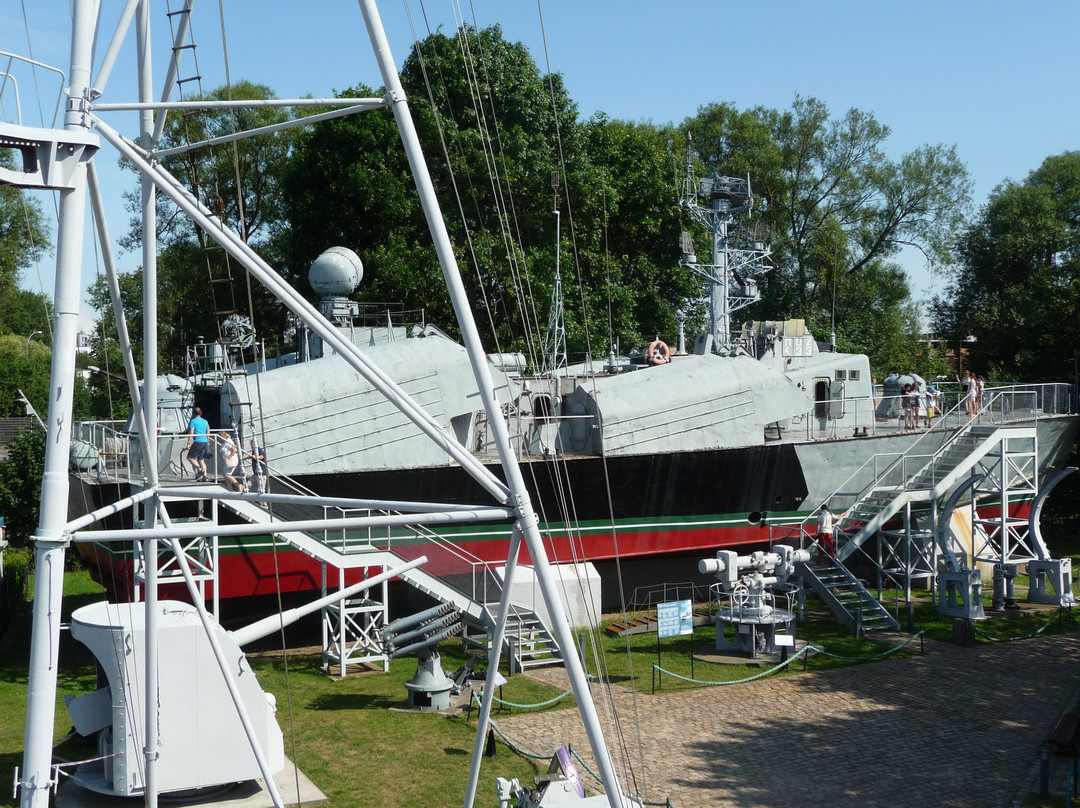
[505, 196]
[585, 326]
[446, 157]
[244, 236]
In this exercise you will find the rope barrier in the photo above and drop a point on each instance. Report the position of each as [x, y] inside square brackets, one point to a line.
[1034, 633]
[806, 649]
[539, 704]
[761, 675]
[882, 655]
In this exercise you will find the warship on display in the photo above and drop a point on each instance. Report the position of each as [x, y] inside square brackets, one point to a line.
[385, 449]
[713, 442]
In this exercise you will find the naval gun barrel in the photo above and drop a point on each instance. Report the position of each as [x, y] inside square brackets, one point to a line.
[727, 566]
[396, 640]
[276, 622]
[412, 620]
[428, 641]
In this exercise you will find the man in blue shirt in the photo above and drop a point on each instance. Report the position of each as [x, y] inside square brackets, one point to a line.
[198, 444]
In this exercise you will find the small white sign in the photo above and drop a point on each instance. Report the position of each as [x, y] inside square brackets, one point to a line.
[784, 639]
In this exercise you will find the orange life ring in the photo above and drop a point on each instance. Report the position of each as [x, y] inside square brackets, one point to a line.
[658, 352]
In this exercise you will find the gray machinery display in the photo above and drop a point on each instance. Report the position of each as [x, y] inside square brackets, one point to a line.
[204, 741]
[747, 589]
[560, 785]
[430, 688]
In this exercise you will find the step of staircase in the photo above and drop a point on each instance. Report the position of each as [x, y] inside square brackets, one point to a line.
[846, 597]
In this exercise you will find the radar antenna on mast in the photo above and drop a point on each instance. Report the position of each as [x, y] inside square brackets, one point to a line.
[737, 258]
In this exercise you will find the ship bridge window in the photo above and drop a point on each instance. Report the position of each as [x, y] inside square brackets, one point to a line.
[853, 375]
[841, 375]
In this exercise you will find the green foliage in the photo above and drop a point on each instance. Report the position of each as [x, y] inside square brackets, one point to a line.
[23, 366]
[1017, 286]
[17, 564]
[348, 184]
[505, 145]
[840, 210]
[20, 485]
[24, 234]
[196, 280]
[23, 312]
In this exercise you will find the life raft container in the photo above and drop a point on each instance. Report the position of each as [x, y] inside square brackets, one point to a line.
[658, 353]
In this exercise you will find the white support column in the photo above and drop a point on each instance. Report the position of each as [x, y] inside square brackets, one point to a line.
[527, 520]
[148, 438]
[51, 539]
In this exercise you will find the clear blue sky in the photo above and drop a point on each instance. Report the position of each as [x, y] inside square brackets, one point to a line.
[996, 79]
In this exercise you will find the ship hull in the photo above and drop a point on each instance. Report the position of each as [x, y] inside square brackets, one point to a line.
[635, 509]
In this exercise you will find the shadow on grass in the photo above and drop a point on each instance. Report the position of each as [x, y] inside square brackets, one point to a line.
[350, 701]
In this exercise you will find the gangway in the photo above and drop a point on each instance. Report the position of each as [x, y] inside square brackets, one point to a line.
[899, 500]
[528, 641]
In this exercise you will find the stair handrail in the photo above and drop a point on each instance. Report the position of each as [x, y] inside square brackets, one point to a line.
[476, 565]
[897, 461]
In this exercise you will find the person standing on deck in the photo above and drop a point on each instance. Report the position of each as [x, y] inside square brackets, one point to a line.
[230, 460]
[198, 444]
[933, 404]
[967, 391]
[826, 542]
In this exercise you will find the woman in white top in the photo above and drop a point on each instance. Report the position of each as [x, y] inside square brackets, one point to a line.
[230, 459]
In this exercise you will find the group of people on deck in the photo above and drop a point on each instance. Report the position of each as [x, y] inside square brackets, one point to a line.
[921, 402]
[916, 403]
[229, 457]
[972, 387]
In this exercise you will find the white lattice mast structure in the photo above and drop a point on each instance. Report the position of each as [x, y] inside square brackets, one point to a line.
[555, 357]
[734, 266]
[61, 160]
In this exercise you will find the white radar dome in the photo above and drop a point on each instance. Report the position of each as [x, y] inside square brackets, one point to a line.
[337, 272]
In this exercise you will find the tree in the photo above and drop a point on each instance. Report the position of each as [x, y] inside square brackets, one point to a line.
[109, 397]
[628, 232]
[497, 132]
[24, 235]
[24, 312]
[241, 184]
[1017, 285]
[840, 210]
[20, 484]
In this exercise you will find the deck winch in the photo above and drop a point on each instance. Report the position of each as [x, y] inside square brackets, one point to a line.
[747, 589]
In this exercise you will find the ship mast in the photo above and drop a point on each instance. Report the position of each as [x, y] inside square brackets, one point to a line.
[555, 338]
[733, 263]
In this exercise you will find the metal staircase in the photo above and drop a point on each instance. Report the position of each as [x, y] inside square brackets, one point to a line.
[912, 483]
[896, 487]
[847, 598]
[527, 642]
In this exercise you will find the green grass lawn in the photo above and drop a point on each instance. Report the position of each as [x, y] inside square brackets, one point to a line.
[360, 753]
[342, 733]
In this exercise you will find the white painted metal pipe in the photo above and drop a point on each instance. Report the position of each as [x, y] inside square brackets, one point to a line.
[481, 371]
[191, 531]
[50, 539]
[276, 622]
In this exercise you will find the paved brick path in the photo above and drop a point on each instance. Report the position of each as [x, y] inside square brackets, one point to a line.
[959, 726]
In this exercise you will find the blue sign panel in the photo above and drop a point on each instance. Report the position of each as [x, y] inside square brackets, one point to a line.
[675, 618]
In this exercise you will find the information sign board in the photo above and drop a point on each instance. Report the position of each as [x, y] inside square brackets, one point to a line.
[674, 618]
